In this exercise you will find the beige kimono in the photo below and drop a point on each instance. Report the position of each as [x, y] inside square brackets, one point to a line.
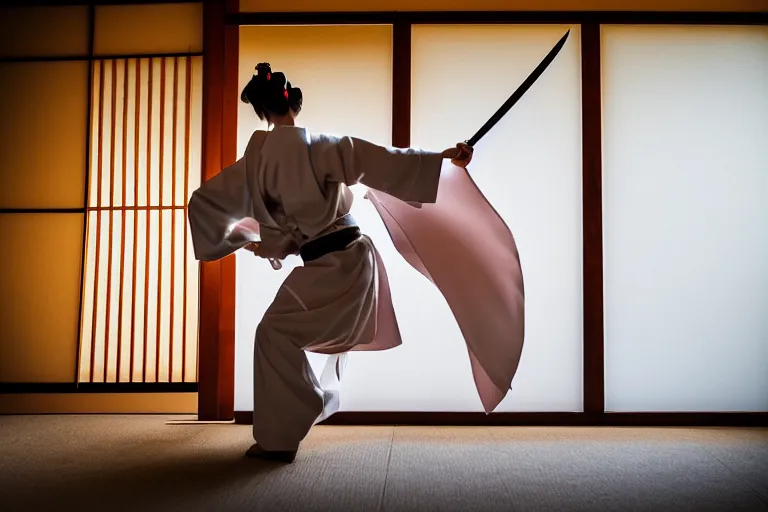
[294, 185]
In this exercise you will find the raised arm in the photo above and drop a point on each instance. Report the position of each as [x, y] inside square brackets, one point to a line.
[409, 174]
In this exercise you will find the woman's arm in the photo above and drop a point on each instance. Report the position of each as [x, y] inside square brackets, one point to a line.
[213, 211]
[408, 174]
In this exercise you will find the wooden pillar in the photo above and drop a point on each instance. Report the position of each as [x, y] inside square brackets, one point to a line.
[592, 211]
[216, 390]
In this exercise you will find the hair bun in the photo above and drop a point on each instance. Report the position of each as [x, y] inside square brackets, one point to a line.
[270, 93]
[263, 69]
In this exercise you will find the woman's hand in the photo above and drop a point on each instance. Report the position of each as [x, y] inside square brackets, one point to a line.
[460, 156]
[254, 247]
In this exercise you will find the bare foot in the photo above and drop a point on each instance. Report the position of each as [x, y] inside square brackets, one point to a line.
[257, 452]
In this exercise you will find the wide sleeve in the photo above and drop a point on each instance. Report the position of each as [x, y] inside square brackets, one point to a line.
[220, 216]
[410, 175]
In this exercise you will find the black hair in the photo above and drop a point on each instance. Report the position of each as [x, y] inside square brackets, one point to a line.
[270, 94]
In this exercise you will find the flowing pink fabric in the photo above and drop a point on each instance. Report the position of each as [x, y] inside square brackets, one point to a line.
[465, 248]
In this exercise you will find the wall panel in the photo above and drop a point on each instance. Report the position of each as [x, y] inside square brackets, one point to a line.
[44, 108]
[148, 29]
[48, 32]
[529, 168]
[40, 292]
[685, 215]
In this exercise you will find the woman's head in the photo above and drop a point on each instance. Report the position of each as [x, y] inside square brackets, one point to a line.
[271, 95]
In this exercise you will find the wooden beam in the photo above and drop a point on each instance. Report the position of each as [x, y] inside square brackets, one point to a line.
[33, 388]
[499, 17]
[541, 419]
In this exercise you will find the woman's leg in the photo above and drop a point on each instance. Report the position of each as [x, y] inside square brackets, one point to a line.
[286, 396]
[327, 306]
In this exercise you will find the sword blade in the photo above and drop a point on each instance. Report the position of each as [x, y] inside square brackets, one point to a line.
[519, 92]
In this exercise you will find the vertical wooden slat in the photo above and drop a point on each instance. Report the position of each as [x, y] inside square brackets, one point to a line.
[161, 138]
[100, 167]
[122, 231]
[173, 213]
[592, 211]
[187, 128]
[401, 84]
[136, 131]
[149, 187]
[111, 217]
[86, 190]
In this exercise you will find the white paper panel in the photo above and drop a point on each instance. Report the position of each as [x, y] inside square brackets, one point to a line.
[529, 167]
[686, 218]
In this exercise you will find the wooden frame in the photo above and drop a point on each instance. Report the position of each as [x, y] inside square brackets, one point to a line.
[498, 18]
[592, 219]
[218, 313]
[96, 387]
[540, 419]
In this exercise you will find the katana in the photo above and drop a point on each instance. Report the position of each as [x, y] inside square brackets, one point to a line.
[519, 92]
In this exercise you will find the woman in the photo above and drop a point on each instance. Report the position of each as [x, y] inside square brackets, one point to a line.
[294, 184]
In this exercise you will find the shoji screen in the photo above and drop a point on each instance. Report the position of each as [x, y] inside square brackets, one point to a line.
[44, 115]
[529, 167]
[686, 218]
[345, 73]
[140, 297]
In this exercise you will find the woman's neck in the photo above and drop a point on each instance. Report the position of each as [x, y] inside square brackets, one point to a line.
[286, 120]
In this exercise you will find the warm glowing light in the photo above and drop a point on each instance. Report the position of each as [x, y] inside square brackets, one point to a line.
[140, 307]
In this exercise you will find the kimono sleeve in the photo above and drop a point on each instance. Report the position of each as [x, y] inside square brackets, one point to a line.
[410, 175]
[220, 216]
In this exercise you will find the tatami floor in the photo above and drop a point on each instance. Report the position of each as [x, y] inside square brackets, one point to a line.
[141, 463]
